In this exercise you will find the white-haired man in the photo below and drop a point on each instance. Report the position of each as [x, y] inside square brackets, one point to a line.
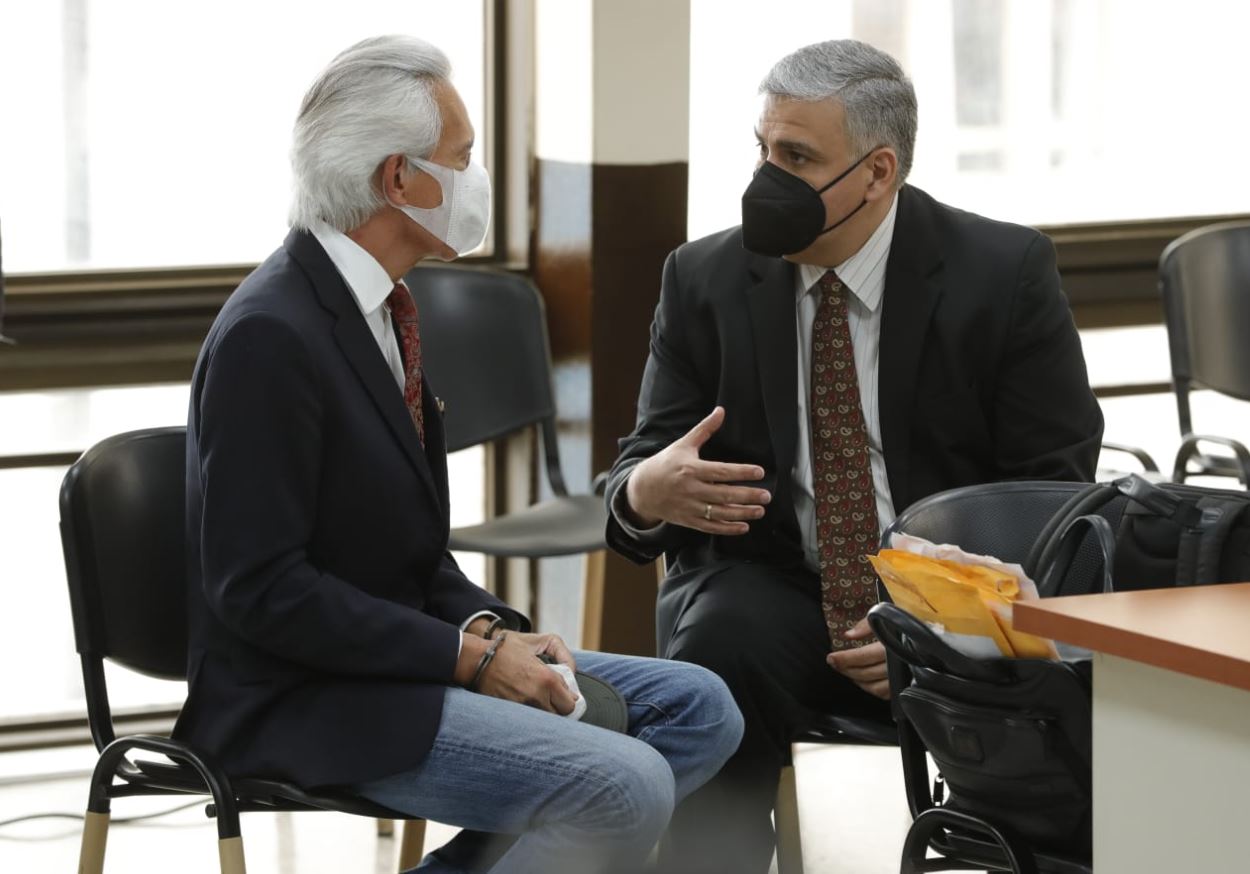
[852, 347]
[334, 641]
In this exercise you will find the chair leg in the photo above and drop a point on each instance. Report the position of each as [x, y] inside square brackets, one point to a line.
[230, 852]
[786, 820]
[412, 847]
[95, 833]
[592, 600]
[386, 828]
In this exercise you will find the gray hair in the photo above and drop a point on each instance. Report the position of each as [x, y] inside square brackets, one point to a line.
[878, 99]
[374, 100]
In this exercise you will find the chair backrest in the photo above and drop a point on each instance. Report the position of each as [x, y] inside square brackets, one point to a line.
[123, 534]
[1204, 277]
[1000, 519]
[484, 349]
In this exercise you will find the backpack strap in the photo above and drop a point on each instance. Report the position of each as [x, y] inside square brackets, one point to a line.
[1158, 501]
[1197, 526]
[1202, 545]
[1070, 539]
[1083, 503]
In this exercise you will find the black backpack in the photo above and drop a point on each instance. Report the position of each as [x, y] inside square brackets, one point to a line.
[1148, 536]
[1011, 737]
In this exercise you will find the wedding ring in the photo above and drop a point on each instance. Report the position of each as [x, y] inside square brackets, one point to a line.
[707, 512]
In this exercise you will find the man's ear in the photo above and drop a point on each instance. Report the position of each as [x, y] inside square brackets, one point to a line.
[884, 166]
[394, 178]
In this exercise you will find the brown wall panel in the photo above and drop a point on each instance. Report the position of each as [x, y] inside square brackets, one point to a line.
[639, 217]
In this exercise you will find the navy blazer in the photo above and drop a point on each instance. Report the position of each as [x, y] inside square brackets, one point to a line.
[981, 377]
[324, 605]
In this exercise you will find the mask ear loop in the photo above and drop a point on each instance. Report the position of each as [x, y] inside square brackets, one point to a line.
[416, 164]
[839, 178]
[847, 171]
[862, 204]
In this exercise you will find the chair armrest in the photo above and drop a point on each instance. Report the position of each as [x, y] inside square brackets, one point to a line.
[1143, 457]
[1212, 465]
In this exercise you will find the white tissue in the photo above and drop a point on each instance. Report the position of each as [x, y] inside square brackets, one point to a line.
[566, 674]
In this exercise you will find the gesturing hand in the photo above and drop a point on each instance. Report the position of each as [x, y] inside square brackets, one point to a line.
[677, 486]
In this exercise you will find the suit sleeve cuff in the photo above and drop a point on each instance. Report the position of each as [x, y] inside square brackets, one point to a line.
[620, 512]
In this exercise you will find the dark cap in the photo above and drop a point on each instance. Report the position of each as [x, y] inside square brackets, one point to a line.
[604, 705]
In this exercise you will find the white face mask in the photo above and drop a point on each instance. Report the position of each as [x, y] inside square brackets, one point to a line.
[461, 219]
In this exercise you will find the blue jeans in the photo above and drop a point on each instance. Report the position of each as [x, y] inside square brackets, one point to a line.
[581, 799]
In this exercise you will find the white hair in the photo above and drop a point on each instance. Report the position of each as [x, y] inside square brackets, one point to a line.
[878, 99]
[374, 100]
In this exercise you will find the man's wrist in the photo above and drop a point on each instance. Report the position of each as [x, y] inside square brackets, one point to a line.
[478, 626]
[497, 626]
[472, 648]
[630, 504]
[484, 662]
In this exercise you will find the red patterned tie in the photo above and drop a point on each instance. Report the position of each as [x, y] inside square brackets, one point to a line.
[846, 503]
[404, 313]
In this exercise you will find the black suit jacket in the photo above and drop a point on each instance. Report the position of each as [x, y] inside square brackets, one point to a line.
[323, 602]
[981, 376]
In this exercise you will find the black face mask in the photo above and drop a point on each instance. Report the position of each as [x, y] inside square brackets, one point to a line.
[782, 214]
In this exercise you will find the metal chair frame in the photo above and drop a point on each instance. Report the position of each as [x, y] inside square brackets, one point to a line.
[145, 471]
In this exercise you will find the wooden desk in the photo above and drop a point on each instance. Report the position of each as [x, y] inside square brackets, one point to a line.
[1171, 723]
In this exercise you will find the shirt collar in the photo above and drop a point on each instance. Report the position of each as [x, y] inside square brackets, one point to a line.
[856, 271]
[369, 283]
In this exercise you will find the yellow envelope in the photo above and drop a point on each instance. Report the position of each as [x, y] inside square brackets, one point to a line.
[966, 599]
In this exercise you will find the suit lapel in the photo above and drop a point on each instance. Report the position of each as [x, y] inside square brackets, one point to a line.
[912, 290]
[771, 301]
[435, 442]
[361, 351]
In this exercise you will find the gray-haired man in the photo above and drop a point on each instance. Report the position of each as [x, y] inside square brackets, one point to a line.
[853, 346]
[334, 641]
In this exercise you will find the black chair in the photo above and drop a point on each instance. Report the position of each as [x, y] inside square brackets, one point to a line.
[1204, 277]
[122, 530]
[1003, 520]
[484, 348]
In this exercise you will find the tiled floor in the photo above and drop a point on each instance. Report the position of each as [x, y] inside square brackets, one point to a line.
[851, 807]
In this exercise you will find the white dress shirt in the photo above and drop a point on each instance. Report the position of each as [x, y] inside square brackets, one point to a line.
[370, 285]
[863, 276]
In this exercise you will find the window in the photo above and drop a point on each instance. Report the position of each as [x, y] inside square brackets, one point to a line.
[1035, 111]
[145, 133]
[35, 625]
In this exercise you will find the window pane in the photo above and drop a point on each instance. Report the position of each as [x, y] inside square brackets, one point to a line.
[36, 629]
[1036, 111]
[148, 133]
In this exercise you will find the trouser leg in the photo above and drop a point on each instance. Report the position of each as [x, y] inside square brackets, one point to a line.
[579, 798]
[763, 633]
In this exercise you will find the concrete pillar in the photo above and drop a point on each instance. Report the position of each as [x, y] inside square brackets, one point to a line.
[609, 188]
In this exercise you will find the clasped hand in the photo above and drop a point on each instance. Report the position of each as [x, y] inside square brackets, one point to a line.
[518, 672]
